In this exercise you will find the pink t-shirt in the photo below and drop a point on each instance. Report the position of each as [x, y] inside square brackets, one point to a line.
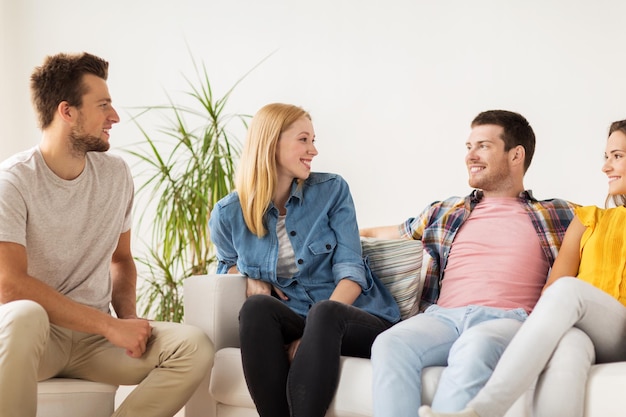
[495, 259]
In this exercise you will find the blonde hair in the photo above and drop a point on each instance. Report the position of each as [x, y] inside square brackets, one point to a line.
[256, 176]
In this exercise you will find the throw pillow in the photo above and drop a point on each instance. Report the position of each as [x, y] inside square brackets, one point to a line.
[398, 264]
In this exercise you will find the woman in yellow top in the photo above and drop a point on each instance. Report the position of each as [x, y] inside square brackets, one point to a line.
[593, 251]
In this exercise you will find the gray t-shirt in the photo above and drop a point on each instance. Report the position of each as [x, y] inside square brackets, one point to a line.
[70, 229]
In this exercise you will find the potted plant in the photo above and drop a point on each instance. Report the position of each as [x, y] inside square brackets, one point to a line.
[187, 168]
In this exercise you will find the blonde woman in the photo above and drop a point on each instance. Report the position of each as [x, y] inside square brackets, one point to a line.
[310, 296]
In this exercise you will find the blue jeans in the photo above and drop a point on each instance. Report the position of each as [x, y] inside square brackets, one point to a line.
[468, 340]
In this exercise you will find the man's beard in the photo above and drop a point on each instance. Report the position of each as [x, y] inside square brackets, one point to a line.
[495, 180]
[82, 142]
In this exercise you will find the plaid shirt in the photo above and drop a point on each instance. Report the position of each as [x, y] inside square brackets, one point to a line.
[438, 224]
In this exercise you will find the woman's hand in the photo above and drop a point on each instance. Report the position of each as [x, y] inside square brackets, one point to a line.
[257, 286]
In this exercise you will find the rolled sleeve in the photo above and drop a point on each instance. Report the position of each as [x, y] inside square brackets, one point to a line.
[221, 236]
[354, 273]
[348, 260]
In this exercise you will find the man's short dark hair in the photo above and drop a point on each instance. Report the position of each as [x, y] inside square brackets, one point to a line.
[60, 78]
[517, 130]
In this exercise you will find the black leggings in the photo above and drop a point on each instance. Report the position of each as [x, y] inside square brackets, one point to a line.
[306, 388]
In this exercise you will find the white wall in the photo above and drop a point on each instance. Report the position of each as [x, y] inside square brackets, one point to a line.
[392, 85]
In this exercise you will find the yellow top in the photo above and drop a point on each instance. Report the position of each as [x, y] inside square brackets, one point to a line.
[603, 249]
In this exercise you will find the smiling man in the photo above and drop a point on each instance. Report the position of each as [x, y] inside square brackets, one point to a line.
[491, 252]
[65, 257]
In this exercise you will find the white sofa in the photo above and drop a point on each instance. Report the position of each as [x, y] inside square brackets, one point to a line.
[65, 397]
[212, 302]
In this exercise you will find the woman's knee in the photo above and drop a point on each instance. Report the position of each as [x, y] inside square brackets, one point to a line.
[567, 287]
[326, 311]
[326, 318]
[256, 305]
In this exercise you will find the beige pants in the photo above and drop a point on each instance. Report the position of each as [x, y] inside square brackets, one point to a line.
[178, 356]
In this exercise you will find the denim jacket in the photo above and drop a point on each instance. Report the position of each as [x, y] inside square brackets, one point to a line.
[322, 227]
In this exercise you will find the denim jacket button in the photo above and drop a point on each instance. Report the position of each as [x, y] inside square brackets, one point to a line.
[328, 246]
[293, 233]
[300, 261]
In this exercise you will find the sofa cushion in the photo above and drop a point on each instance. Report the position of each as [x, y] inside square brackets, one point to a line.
[398, 264]
[605, 390]
[228, 386]
[354, 391]
[62, 397]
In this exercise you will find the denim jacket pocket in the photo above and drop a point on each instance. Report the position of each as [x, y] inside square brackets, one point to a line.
[285, 282]
[322, 246]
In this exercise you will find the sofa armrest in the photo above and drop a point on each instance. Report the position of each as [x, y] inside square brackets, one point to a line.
[212, 303]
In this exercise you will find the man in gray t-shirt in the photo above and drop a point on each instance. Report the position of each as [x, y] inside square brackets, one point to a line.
[65, 219]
